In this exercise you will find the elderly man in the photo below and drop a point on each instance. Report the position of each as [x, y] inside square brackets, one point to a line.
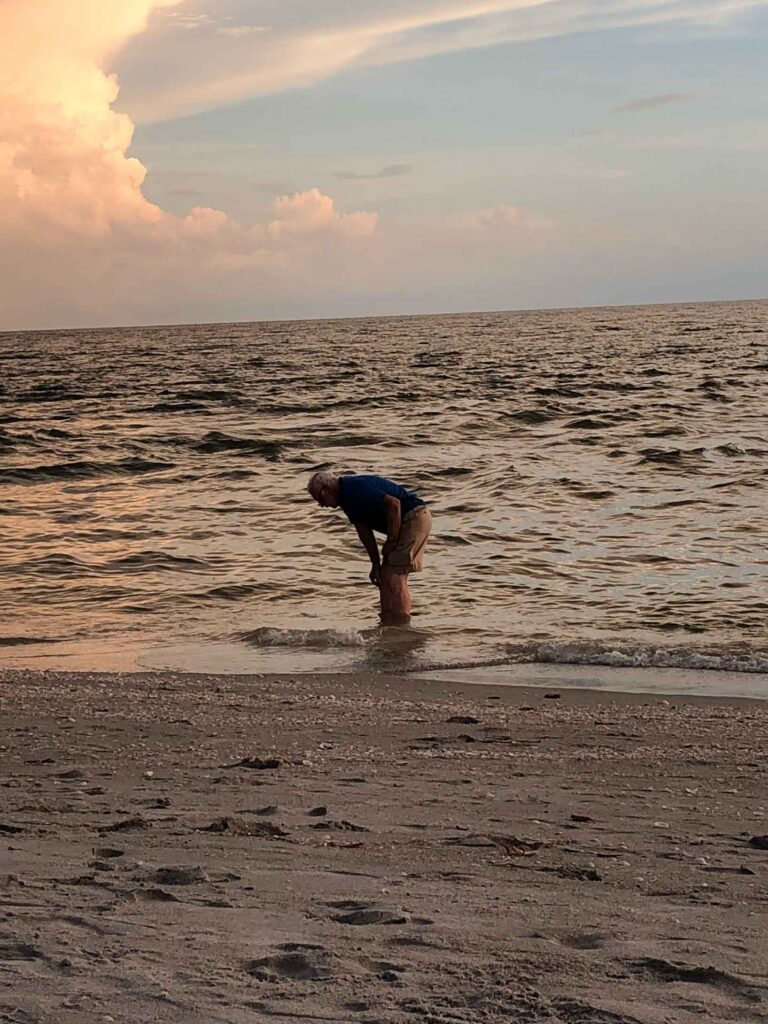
[375, 503]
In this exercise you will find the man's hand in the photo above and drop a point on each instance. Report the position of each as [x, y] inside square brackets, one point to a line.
[369, 543]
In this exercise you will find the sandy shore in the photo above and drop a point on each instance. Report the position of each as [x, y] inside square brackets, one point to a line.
[237, 849]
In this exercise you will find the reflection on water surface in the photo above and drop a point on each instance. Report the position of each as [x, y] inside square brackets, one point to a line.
[597, 480]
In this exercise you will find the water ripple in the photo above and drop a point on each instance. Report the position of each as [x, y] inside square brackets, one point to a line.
[597, 480]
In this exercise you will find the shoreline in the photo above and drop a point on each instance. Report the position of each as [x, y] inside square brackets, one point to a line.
[528, 680]
[184, 848]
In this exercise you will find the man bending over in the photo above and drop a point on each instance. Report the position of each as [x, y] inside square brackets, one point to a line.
[373, 503]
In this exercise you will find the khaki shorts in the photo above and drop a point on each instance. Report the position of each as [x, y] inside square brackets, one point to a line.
[408, 554]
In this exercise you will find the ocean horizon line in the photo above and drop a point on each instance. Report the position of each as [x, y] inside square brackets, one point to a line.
[352, 317]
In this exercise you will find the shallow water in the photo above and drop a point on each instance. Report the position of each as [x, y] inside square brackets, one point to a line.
[597, 479]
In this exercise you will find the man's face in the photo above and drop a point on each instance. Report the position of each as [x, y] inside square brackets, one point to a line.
[326, 495]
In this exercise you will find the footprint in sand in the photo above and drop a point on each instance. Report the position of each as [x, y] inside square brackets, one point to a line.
[586, 941]
[107, 852]
[413, 942]
[384, 970]
[152, 895]
[570, 1011]
[295, 962]
[126, 825]
[300, 961]
[356, 913]
[179, 876]
[101, 865]
[665, 971]
[308, 964]
[12, 948]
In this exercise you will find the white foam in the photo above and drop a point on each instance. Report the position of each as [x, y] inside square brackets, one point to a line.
[272, 636]
[718, 659]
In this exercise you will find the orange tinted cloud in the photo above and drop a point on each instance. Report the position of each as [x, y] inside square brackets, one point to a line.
[81, 244]
[307, 213]
[75, 226]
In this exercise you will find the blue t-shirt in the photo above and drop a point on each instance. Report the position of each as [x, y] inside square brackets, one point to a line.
[362, 498]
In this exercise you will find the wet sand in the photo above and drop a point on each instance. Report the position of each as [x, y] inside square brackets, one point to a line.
[178, 848]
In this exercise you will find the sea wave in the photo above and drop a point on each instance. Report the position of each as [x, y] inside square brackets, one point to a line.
[662, 457]
[63, 565]
[593, 474]
[216, 442]
[177, 406]
[709, 658]
[269, 636]
[567, 652]
[705, 658]
[82, 470]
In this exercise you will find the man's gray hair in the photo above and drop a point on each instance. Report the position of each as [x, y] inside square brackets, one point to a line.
[321, 479]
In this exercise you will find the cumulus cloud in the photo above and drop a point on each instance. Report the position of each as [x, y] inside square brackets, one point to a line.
[81, 243]
[63, 150]
[307, 214]
[170, 72]
[76, 229]
[505, 223]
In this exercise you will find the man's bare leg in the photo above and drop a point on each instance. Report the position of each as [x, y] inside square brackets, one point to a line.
[395, 598]
[385, 598]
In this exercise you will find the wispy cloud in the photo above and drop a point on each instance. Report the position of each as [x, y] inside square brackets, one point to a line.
[390, 171]
[652, 102]
[189, 22]
[168, 72]
[238, 31]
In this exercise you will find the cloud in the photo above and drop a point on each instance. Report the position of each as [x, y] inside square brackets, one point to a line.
[169, 72]
[502, 231]
[652, 102]
[390, 171]
[237, 31]
[82, 244]
[76, 230]
[63, 158]
[307, 214]
[190, 22]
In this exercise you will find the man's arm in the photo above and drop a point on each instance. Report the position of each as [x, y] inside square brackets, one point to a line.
[369, 543]
[394, 516]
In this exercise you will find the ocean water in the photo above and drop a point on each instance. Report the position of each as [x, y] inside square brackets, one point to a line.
[598, 481]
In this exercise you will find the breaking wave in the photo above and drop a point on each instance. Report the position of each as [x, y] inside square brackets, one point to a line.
[709, 658]
[705, 658]
[269, 636]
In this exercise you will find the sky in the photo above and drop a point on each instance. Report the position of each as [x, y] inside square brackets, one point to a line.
[172, 161]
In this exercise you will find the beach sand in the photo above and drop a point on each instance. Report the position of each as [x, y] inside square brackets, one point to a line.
[234, 849]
